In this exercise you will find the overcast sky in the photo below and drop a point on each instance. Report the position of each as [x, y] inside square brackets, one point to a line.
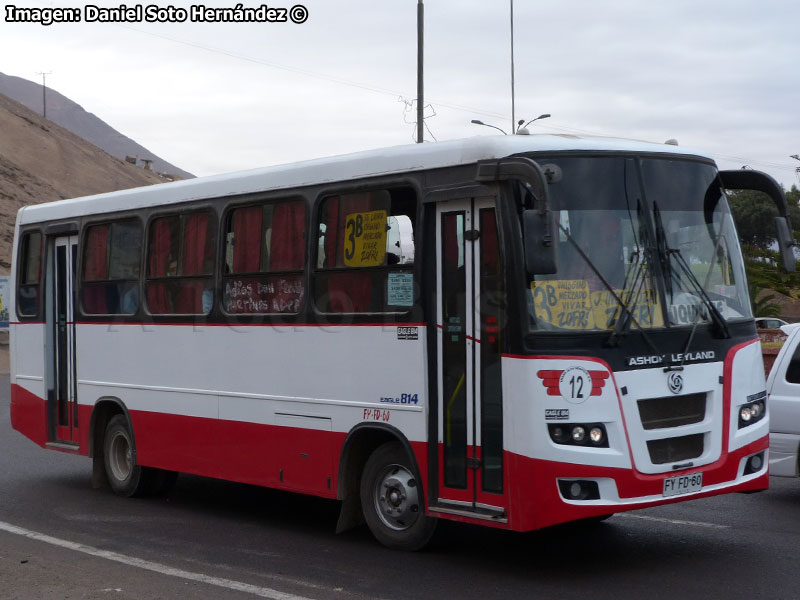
[716, 75]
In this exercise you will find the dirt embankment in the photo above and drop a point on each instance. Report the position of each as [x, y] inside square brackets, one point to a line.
[42, 162]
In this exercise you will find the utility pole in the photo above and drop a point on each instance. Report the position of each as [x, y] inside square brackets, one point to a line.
[420, 55]
[44, 96]
[513, 116]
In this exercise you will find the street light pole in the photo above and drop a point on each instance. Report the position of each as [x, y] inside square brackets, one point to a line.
[513, 116]
[522, 128]
[478, 122]
[420, 81]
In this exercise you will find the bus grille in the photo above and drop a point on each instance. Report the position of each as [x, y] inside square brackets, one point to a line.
[672, 411]
[675, 449]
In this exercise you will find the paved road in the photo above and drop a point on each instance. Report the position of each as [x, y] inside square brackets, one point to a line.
[212, 539]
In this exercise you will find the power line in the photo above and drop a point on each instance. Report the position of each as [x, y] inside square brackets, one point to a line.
[308, 73]
[395, 93]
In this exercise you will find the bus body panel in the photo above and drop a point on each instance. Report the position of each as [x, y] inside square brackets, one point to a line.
[272, 403]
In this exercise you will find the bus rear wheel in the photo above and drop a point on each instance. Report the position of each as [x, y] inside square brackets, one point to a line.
[392, 500]
[125, 477]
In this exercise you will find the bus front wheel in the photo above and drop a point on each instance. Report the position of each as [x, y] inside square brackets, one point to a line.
[392, 500]
[125, 477]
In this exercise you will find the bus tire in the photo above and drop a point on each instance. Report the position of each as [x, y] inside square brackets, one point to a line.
[125, 477]
[392, 500]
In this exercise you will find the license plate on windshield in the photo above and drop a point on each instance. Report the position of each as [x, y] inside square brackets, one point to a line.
[683, 484]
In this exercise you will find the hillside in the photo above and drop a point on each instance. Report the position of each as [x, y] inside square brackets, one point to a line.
[72, 117]
[41, 162]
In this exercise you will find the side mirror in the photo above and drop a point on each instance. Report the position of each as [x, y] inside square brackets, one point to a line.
[538, 227]
[538, 224]
[748, 179]
[786, 243]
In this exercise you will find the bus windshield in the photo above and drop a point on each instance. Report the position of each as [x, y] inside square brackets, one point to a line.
[642, 243]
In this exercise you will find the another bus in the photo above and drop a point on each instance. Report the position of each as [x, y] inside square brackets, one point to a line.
[514, 332]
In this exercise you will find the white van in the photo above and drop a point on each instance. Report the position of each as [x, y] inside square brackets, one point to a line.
[783, 389]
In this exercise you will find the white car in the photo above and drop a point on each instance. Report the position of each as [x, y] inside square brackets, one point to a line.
[770, 323]
[783, 401]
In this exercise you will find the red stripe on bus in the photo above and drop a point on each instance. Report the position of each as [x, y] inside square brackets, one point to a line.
[234, 324]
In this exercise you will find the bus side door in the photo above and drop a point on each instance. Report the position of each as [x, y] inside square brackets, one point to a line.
[470, 313]
[63, 400]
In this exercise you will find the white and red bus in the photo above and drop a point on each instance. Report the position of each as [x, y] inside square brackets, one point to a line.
[515, 331]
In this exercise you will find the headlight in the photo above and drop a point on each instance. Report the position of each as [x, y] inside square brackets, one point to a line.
[596, 435]
[578, 434]
[752, 412]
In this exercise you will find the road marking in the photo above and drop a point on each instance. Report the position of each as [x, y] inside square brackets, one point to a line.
[152, 566]
[673, 521]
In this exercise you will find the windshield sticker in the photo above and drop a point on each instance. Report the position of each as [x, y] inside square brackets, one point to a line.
[685, 314]
[568, 304]
[565, 303]
[644, 307]
[400, 290]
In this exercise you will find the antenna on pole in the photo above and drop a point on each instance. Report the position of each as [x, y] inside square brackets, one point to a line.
[44, 88]
[420, 55]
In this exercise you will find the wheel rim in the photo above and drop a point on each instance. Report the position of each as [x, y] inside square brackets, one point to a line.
[120, 456]
[396, 498]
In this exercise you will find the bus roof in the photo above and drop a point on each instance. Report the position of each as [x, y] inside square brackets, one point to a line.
[386, 161]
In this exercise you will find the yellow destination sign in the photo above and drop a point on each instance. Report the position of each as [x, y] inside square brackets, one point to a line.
[365, 239]
[569, 304]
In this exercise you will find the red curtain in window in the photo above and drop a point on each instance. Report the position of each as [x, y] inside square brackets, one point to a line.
[95, 265]
[159, 248]
[490, 261]
[287, 251]
[349, 291]
[157, 259]
[189, 298]
[331, 230]
[247, 239]
[450, 240]
[195, 236]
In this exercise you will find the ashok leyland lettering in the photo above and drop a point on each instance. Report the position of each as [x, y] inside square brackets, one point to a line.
[513, 332]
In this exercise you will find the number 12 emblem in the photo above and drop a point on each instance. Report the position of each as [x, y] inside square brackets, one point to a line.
[575, 385]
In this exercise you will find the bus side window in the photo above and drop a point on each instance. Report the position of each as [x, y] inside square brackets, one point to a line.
[110, 275]
[30, 271]
[265, 257]
[180, 264]
[366, 251]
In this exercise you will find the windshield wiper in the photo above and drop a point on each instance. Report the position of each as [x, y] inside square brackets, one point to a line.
[666, 254]
[630, 318]
[625, 318]
[716, 316]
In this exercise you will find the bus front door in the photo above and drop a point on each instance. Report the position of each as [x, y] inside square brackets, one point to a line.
[470, 313]
[63, 408]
